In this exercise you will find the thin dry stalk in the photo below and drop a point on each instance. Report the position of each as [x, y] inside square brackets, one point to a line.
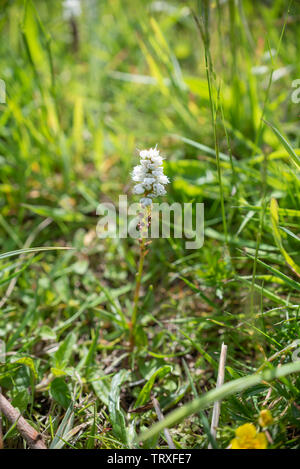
[217, 404]
[1, 432]
[161, 417]
[32, 437]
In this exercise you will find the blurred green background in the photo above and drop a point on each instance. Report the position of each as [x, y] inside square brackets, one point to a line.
[85, 93]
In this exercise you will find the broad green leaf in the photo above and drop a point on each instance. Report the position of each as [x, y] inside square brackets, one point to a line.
[21, 400]
[27, 361]
[101, 387]
[116, 414]
[59, 391]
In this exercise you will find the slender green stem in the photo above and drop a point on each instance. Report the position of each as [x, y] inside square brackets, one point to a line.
[143, 249]
[137, 293]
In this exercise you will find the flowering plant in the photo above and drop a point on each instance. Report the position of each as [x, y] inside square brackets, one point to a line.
[149, 175]
[150, 183]
[246, 437]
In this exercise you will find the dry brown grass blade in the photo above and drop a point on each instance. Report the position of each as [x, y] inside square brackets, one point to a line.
[217, 404]
[1, 433]
[161, 417]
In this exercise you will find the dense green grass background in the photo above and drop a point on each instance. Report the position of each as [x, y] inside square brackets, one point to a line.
[82, 97]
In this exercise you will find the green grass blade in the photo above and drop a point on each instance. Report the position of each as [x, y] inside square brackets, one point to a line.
[286, 144]
[219, 394]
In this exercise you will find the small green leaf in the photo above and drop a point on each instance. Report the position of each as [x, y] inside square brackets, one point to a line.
[101, 387]
[59, 391]
[21, 400]
[27, 361]
[116, 414]
[57, 372]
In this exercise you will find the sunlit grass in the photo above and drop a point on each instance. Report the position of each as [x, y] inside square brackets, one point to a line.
[212, 85]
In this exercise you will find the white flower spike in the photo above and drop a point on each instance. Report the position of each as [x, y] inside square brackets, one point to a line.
[150, 177]
[71, 9]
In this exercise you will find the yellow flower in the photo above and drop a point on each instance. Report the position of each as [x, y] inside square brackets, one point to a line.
[248, 438]
[265, 418]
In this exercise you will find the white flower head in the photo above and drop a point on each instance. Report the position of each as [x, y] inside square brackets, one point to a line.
[71, 8]
[145, 201]
[149, 175]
